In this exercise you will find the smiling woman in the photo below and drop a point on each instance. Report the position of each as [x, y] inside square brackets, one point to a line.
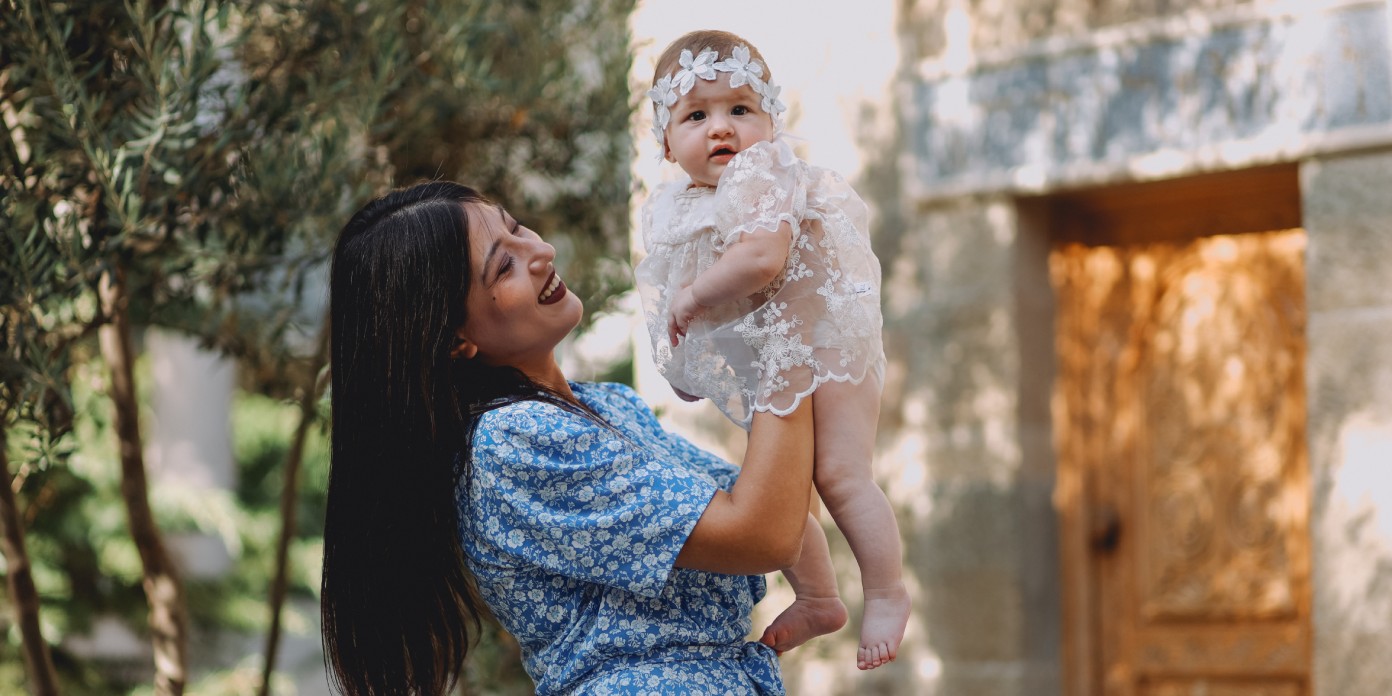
[524, 310]
[467, 471]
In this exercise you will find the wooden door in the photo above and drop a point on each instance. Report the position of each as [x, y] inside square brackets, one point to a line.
[1180, 423]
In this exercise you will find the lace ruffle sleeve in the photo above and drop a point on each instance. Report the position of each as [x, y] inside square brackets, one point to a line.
[760, 189]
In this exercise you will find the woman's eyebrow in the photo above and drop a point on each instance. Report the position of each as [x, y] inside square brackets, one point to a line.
[493, 248]
[488, 259]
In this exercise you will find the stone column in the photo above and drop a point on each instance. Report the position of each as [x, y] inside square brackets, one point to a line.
[1348, 216]
[966, 429]
[189, 442]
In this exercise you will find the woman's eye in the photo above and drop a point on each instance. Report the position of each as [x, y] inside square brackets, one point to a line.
[505, 266]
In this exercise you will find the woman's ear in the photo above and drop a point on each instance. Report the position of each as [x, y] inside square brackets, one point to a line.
[463, 347]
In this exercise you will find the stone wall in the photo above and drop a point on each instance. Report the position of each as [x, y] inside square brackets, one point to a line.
[967, 333]
[1348, 216]
[1198, 88]
[1000, 100]
[1005, 26]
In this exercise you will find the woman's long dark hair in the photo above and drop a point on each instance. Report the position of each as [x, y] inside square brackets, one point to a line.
[397, 598]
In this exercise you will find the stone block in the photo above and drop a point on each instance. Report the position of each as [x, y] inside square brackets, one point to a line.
[1349, 380]
[973, 616]
[1348, 216]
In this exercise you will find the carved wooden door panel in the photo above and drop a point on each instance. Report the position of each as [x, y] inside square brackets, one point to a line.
[1180, 424]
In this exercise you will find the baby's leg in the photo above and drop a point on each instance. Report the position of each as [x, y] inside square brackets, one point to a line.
[845, 419]
[817, 608]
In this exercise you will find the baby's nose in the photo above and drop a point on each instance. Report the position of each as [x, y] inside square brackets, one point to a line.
[719, 125]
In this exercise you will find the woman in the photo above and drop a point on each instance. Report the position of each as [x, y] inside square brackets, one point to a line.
[622, 558]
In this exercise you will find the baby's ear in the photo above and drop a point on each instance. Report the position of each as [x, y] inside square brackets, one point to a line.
[667, 153]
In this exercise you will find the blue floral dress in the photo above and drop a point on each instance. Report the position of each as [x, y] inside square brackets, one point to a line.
[571, 531]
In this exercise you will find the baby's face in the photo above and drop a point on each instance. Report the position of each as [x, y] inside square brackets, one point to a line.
[710, 124]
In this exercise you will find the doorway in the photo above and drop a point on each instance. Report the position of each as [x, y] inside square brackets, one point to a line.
[1179, 422]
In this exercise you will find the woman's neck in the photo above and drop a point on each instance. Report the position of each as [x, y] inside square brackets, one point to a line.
[551, 378]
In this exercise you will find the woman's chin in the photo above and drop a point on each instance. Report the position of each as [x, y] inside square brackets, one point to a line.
[571, 303]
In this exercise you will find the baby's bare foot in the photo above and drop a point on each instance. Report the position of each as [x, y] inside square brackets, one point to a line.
[805, 619]
[882, 627]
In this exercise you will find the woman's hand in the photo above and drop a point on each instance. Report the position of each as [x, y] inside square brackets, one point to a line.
[685, 308]
[757, 526]
[685, 396]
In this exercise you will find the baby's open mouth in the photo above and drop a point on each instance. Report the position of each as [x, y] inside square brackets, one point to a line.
[722, 151]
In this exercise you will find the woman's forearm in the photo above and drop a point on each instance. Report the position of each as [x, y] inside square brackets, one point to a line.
[757, 526]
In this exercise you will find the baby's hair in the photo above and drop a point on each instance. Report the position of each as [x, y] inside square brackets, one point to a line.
[722, 42]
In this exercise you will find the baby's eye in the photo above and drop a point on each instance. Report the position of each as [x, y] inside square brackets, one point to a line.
[696, 116]
[740, 110]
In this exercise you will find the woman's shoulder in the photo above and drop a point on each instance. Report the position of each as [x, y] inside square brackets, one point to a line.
[530, 417]
[610, 398]
[527, 437]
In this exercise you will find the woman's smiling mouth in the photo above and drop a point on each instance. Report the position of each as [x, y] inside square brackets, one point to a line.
[554, 291]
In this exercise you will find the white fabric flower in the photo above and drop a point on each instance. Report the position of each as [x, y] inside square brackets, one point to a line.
[771, 104]
[662, 93]
[742, 70]
[702, 66]
[662, 98]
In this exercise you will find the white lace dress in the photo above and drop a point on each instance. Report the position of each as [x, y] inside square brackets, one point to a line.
[820, 321]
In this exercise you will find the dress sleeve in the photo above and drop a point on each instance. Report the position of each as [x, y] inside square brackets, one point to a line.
[559, 491]
[649, 214]
[760, 189]
[722, 472]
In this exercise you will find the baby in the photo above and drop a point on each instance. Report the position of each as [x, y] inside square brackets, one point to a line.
[759, 290]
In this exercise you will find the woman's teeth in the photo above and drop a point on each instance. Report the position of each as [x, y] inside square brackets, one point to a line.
[550, 288]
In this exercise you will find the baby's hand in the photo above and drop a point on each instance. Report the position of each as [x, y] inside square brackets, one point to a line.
[684, 309]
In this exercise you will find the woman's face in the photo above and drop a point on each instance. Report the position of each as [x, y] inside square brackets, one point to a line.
[518, 308]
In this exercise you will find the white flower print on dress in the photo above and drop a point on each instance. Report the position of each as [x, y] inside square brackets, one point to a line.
[571, 530]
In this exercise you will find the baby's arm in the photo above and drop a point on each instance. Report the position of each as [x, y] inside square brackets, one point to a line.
[745, 267]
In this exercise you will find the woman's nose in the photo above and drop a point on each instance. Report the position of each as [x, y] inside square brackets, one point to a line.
[542, 256]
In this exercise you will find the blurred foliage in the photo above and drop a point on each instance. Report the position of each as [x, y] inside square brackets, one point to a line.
[86, 565]
[212, 150]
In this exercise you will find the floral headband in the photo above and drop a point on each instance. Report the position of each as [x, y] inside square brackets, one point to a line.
[743, 71]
